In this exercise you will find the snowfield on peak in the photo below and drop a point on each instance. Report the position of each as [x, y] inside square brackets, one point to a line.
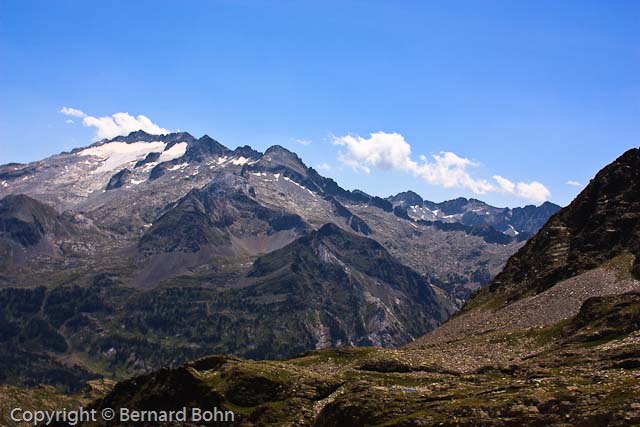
[117, 155]
[173, 152]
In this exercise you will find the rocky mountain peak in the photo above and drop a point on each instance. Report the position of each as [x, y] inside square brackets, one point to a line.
[247, 152]
[277, 155]
[455, 206]
[175, 138]
[135, 136]
[406, 199]
[278, 151]
[141, 136]
[203, 148]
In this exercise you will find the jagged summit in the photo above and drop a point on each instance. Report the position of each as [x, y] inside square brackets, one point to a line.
[142, 136]
[135, 136]
[247, 152]
[473, 212]
[205, 147]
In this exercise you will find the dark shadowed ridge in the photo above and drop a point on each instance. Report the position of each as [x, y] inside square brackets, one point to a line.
[602, 222]
[26, 220]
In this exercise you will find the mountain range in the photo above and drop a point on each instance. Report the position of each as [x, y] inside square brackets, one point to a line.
[267, 259]
[146, 251]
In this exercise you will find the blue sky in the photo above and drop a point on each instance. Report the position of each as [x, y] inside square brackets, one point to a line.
[530, 91]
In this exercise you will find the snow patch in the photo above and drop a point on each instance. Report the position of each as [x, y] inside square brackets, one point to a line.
[240, 161]
[180, 166]
[115, 155]
[173, 152]
[149, 166]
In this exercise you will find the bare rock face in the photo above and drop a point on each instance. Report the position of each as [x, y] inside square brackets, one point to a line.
[119, 179]
[27, 221]
[600, 224]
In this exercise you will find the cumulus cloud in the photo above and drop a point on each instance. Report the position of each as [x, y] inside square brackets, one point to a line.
[505, 184]
[450, 170]
[534, 191]
[390, 151]
[304, 141]
[116, 124]
[381, 150]
[574, 183]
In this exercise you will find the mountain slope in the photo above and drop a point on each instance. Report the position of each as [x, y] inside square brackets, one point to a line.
[27, 221]
[329, 288]
[31, 231]
[600, 224]
[577, 380]
[336, 273]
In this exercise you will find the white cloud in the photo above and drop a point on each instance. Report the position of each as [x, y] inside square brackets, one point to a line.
[68, 121]
[534, 191]
[387, 151]
[450, 170]
[390, 151]
[505, 184]
[116, 124]
[574, 183]
[304, 141]
[73, 112]
[381, 150]
[325, 167]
